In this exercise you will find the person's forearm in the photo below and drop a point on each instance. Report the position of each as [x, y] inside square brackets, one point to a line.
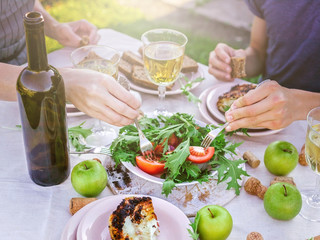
[305, 101]
[9, 75]
[254, 63]
[256, 52]
[50, 23]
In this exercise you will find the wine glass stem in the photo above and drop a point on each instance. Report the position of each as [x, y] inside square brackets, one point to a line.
[315, 198]
[162, 95]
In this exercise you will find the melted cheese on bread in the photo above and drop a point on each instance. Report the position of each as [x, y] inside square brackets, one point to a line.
[134, 219]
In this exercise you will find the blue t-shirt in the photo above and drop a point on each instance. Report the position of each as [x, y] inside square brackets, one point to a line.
[293, 52]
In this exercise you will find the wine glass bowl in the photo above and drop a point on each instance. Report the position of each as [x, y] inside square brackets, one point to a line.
[311, 198]
[312, 147]
[99, 58]
[103, 59]
[163, 53]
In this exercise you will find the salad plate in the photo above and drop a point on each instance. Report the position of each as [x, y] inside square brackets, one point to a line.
[94, 224]
[176, 89]
[157, 178]
[179, 172]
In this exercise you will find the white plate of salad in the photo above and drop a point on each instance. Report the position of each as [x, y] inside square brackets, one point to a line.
[177, 150]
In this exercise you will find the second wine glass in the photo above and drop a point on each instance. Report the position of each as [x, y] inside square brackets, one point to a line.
[163, 52]
[311, 197]
[103, 59]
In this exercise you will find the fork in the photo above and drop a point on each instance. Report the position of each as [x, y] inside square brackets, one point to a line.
[212, 135]
[96, 150]
[146, 146]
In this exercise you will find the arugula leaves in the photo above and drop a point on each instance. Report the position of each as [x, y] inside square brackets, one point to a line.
[185, 89]
[194, 232]
[158, 130]
[77, 135]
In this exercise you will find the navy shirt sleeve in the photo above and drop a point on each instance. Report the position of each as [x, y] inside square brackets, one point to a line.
[255, 7]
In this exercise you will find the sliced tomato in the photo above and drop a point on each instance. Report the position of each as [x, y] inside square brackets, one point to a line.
[199, 154]
[149, 165]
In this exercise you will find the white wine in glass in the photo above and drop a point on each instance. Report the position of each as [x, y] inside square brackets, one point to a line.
[100, 65]
[163, 62]
[163, 57]
[313, 148]
[102, 59]
[311, 198]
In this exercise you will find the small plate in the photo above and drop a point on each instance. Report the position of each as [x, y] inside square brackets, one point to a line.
[94, 225]
[74, 112]
[70, 230]
[176, 88]
[213, 98]
[204, 111]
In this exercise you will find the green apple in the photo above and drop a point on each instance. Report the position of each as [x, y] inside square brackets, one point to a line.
[89, 178]
[281, 157]
[215, 223]
[282, 201]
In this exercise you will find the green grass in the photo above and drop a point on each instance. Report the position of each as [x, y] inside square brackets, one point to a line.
[198, 47]
[129, 20]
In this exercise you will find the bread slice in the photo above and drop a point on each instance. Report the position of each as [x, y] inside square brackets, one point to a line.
[139, 76]
[238, 66]
[132, 58]
[125, 68]
[134, 219]
[189, 65]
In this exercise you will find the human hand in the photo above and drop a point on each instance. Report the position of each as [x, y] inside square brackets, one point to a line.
[100, 96]
[219, 61]
[70, 34]
[268, 106]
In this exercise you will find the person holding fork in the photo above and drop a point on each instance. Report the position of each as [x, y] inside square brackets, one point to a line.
[284, 47]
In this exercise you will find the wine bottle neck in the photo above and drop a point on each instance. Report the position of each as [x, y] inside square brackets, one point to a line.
[35, 41]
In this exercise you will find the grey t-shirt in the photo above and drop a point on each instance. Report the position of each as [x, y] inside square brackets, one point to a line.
[12, 37]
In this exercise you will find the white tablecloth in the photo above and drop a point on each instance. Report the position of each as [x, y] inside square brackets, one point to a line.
[28, 211]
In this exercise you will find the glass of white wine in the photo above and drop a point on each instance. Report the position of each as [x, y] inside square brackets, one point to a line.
[163, 52]
[311, 198]
[103, 59]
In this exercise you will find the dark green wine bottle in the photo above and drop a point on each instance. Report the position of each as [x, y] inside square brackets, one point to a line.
[41, 98]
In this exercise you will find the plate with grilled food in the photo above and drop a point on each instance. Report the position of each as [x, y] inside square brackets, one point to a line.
[134, 217]
[210, 118]
[221, 98]
[132, 67]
